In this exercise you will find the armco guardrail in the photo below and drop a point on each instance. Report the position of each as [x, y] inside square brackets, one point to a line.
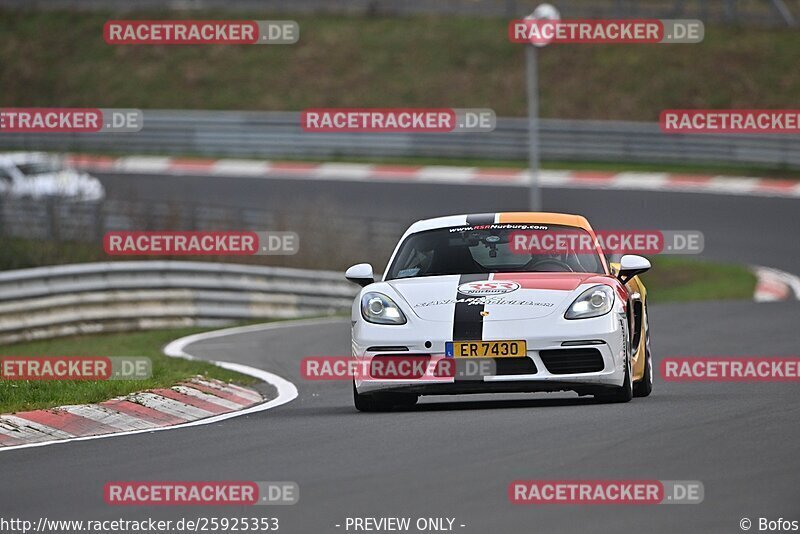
[278, 134]
[47, 302]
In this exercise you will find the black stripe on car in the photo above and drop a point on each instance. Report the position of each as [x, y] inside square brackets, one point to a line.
[467, 318]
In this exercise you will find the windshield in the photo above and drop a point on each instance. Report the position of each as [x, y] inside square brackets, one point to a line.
[486, 249]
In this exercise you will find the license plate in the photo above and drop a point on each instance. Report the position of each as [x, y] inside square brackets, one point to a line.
[485, 349]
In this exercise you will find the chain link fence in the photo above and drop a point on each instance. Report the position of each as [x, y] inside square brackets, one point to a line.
[328, 240]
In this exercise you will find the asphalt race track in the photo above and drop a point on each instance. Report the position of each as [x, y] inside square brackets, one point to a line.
[456, 457]
[450, 458]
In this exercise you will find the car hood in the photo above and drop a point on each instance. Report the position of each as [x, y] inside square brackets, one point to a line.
[506, 296]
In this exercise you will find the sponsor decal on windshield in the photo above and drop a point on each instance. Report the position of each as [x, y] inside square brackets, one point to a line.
[498, 226]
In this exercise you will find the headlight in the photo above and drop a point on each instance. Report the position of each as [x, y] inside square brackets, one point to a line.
[380, 309]
[593, 302]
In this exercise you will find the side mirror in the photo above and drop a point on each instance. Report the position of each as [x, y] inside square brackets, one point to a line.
[631, 265]
[361, 274]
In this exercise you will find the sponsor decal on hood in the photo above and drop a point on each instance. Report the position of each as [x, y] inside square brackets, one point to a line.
[485, 288]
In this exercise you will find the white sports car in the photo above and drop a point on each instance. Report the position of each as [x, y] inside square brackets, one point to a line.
[39, 175]
[460, 310]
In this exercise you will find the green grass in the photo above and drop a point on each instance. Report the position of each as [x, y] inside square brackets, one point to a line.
[31, 395]
[20, 253]
[59, 58]
[675, 279]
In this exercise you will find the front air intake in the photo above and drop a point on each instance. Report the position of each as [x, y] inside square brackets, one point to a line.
[572, 361]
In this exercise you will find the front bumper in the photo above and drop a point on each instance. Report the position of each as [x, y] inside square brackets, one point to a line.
[607, 335]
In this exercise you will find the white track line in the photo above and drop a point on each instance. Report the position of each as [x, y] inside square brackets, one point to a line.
[286, 390]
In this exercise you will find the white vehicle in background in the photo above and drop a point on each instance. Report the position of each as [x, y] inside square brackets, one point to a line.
[38, 175]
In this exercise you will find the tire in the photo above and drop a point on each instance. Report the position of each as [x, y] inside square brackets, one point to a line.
[382, 402]
[623, 393]
[644, 387]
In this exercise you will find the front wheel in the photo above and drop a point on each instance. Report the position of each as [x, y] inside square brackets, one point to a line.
[623, 393]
